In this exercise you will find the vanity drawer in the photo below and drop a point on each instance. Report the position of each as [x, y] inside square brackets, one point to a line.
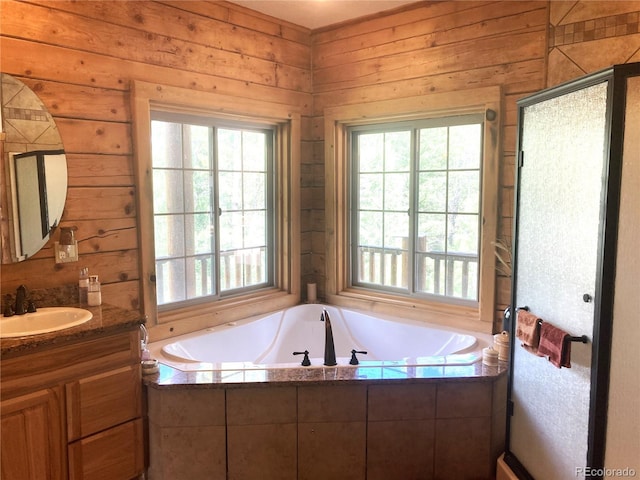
[115, 454]
[101, 401]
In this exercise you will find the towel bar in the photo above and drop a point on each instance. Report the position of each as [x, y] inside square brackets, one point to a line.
[581, 339]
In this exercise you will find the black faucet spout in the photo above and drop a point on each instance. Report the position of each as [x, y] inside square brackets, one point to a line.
[21, 297]
[329, 346]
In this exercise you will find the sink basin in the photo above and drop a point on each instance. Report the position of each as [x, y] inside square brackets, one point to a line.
[44, 320]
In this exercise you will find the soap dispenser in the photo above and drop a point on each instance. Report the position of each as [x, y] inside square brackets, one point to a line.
[94, 295]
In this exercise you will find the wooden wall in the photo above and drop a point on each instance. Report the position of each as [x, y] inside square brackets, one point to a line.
[451, 46]
[432, 47]
[80, 57]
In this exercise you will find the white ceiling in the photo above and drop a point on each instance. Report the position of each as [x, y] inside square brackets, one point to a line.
[319, 13]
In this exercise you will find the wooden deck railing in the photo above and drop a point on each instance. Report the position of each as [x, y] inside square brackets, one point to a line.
[451, 273]
[238, 268]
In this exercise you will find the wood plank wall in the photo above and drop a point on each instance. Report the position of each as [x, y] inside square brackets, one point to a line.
[80, 57]
[428, 48]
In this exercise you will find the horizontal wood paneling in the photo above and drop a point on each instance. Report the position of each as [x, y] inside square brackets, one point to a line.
[70, 101]
[241, 17]
[94, 136]
[414, 13]
[519, 78]
[85, 203]
[86, 169]
[472, 22]
[148, 45]
[85, 68]
[100, 235]
[418, 64]
[80, 57]
[201, 23]
[117, 266]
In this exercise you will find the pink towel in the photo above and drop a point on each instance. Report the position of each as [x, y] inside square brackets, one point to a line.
[528, 330]
[555, 345]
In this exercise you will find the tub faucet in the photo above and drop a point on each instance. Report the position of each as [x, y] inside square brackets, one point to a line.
[21, 297]
[329, 347]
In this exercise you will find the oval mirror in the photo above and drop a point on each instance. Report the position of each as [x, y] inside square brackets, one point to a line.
[34, 172]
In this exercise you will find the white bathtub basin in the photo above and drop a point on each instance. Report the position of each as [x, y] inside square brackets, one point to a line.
[44, 320]
[270, 340]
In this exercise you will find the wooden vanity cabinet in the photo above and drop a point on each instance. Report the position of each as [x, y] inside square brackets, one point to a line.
[74, 411]
[104, 426]
[32, 438]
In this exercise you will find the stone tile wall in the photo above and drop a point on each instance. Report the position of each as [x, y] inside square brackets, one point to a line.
[432, 430]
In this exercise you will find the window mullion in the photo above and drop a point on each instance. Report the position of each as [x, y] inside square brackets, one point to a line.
[447, 214]
[215, 209]
[185, 188]
[413, 215]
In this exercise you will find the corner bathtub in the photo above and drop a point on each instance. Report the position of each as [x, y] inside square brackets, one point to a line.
[269, 342]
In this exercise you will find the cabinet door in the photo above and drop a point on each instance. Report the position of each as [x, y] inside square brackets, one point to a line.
[102, 401]
[115, 454]
[32, 439]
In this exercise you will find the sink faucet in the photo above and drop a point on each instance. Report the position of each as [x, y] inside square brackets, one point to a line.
[21, 297]
[329, 347]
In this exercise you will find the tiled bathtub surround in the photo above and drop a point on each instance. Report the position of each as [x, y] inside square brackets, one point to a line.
[594, 29]
[350, 429]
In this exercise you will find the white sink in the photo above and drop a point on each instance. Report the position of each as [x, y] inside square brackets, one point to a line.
[44, 320]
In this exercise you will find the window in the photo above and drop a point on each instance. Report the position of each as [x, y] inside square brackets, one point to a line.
[411, 206]
[218, 210]
[212, 206]
[415, 216]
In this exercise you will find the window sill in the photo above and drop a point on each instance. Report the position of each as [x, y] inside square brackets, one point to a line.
[204, 315]
[456, 316]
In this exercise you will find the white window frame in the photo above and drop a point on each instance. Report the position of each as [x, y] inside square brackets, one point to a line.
[147, 97]
[486, 101]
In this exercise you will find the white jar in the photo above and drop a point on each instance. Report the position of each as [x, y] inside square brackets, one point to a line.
[501, 344]
[490, 357]
[94, 296]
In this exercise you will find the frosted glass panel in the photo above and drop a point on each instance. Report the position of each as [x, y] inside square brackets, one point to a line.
[563, 142]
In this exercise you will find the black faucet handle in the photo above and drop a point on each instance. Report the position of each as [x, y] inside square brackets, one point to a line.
[8, 307]
[305, 361]
[31, 306]
[354, 359]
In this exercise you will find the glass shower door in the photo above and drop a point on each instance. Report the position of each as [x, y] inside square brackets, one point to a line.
[559, 216]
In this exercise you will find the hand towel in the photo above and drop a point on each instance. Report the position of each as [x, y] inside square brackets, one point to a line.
[528, 330]
[555, 345]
